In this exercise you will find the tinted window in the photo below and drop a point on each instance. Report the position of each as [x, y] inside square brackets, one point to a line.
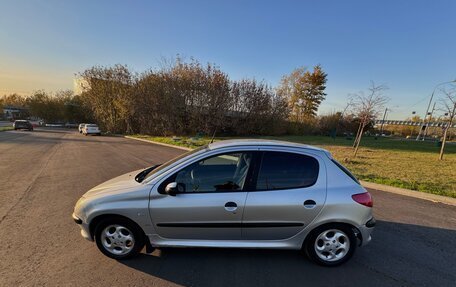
[280, 170]
[225, 172]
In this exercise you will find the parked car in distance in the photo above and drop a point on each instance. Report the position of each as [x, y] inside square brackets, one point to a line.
[233, 194]
[81, 127]
[91, 129]
[22, 125]
[55, 125]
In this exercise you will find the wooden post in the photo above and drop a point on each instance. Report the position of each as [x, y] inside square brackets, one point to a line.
[442, 149]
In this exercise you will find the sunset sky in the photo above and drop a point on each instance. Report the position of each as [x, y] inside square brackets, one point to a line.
[408, 45]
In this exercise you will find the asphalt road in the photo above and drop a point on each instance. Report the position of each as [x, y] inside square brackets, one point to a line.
[43, 173]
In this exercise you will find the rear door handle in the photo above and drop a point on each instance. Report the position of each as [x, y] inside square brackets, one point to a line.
[309, 203]
[230, 206]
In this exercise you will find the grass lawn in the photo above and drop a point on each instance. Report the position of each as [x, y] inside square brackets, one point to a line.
[402, 163]
[8, 128]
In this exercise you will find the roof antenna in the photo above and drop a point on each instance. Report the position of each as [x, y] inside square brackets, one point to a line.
[213, 135]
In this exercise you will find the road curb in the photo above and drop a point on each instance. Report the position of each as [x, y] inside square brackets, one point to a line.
[158, 143]
[410, 193]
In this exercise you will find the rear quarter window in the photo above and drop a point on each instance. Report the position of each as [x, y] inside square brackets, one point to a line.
[283, 170]
[345, 170]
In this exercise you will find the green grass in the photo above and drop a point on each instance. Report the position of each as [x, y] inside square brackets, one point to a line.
[2, 129]
[395, 162]
[182, 141]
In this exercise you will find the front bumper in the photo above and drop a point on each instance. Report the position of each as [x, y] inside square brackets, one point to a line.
[85, 232]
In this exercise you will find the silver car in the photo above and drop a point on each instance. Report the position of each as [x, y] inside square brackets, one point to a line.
[241, 193]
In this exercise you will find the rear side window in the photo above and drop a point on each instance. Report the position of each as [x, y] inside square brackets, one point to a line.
[282, 170]
[345, 170]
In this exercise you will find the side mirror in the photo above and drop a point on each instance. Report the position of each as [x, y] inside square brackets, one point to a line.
[171, 188]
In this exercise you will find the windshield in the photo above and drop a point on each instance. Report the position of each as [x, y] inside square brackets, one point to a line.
[171, 162]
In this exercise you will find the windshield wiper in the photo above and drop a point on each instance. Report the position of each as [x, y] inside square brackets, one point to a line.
[143, 174]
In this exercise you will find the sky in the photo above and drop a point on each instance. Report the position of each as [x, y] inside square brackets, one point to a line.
[408, 45]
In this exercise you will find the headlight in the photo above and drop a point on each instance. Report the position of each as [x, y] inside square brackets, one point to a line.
[79, 208]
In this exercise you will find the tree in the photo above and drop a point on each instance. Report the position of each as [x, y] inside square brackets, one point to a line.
[15, 101]
[108, 93]
[449, 106]
[367, 108]
[304, 91]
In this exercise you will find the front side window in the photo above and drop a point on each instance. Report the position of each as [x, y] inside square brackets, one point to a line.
[282, 170]
[220, 173]
[149, 175]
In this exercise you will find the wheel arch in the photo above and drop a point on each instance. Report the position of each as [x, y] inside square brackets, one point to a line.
[98, 219]
[356, 231]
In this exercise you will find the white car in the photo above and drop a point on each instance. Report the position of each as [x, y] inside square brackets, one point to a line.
[91, 129]
[81, 127]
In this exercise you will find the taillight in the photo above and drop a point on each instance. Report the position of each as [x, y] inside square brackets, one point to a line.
[364, 199]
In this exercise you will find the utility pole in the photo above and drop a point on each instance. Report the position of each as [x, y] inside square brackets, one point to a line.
[429, 105]
[429, 121]
[383, 121]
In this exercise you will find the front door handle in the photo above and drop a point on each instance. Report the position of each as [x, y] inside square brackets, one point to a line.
[230, 206]
[309, 203]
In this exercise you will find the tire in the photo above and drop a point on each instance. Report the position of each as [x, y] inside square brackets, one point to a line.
[119, 238]
[331, 244]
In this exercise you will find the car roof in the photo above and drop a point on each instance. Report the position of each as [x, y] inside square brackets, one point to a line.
[262, 142]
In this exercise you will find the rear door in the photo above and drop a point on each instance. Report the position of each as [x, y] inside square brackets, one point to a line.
[290, 191]
[210, 202]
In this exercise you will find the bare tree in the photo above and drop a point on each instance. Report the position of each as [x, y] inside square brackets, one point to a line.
[449, 106]
[367, 107]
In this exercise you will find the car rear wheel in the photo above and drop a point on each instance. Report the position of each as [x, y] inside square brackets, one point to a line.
[119, 238]
[331, 245]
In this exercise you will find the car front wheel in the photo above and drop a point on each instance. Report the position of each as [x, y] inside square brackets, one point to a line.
[331, 245]
[119, 238]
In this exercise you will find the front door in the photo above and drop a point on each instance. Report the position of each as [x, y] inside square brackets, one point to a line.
[210, 200]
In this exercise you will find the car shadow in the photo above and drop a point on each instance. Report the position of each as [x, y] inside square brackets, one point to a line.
[399, 254]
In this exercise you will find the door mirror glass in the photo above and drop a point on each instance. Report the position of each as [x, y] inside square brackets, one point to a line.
[171, 188]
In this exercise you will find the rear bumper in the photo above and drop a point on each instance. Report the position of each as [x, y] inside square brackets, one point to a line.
[366, 231]
[85, 232]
